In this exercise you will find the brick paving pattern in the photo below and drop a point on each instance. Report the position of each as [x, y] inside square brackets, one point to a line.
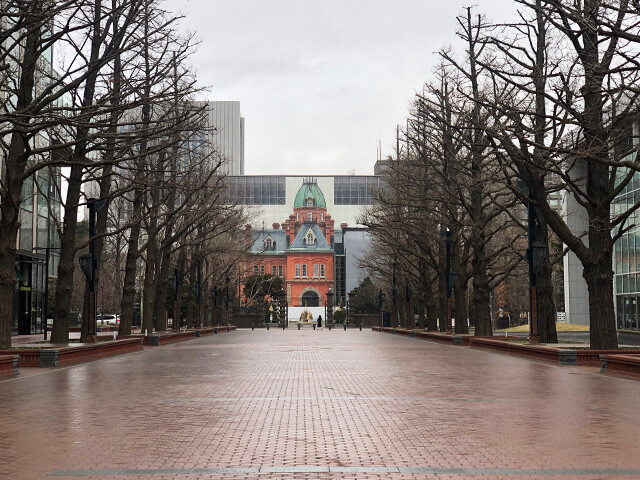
[318, 405]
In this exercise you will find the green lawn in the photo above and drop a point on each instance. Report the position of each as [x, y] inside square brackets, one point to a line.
[560, 327]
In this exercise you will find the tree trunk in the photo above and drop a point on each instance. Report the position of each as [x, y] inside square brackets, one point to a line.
[130, 269]
[544, 290]
[431, 320]
[599, 278]
[14, 165]
[442, 289]
[148, 288]
[159, 308]
[460, 292]
[481, 295]
[8, 280]
[66, 267]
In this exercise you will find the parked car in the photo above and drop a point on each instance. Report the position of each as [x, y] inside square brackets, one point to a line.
[108, 319]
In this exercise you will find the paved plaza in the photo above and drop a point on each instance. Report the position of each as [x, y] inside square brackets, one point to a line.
[318, 404]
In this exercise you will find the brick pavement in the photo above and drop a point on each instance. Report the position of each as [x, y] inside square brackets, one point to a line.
[318, 404]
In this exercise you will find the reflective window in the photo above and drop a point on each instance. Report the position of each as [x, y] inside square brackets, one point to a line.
[256, 190]
[353, 190]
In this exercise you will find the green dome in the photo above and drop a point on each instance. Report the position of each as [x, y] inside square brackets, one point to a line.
[309, 189]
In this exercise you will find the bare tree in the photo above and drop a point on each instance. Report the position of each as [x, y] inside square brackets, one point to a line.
[566, 94]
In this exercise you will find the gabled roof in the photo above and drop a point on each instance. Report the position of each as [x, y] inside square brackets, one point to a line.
[278, 236]
[321, 243]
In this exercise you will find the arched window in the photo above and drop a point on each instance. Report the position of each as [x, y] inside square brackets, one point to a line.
[310, 202]
[269, 243]
[310, 238]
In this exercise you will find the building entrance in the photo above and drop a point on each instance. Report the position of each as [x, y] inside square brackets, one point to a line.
[310, 299]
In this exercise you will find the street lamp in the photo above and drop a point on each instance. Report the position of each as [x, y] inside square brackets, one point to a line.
[89, 263]
[381, 296]
[394, 299]
[226, 299]
[536, 255]
[214, 301]
[198, 289]
[450, 277]
[408, 294]
[175, 286]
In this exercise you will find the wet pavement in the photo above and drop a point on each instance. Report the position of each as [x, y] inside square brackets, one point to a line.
[318, 404]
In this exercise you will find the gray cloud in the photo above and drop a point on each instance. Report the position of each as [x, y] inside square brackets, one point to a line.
[320, 82]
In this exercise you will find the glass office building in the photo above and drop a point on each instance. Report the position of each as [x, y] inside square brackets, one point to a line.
[38, 241]
[627, 258]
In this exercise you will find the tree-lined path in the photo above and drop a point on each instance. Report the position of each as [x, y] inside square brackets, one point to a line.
[318, 404]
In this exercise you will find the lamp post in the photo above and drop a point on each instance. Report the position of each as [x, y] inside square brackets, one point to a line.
[380, 305]
[88, 263]
[47, 257]
[175, 286]
[198, 291]
[450, 277]
[408, 294]
[394, 299]
[214, 301]
[226, 300]
[536, 255]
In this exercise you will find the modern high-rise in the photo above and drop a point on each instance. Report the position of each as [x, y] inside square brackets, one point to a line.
[225, 134]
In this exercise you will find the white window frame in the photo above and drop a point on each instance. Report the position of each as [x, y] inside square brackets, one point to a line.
[274, 270]
[310, 238]
[280, 271]
[297, 270]
[310, 216]
[316, 271]
[304, 270]
[322, 271]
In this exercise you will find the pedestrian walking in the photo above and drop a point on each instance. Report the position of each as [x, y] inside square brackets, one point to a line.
[320, 322]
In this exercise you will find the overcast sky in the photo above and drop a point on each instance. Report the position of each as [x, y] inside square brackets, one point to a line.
[320, 82]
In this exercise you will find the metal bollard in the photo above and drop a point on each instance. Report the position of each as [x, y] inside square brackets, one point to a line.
[345, 327]
[314, 326]
[298, 326]
[253, 326]
[360, 327]
[283, 326]
[329, 326]
[267, 326]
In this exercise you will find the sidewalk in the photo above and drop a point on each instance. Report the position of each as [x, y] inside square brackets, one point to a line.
[319, 405]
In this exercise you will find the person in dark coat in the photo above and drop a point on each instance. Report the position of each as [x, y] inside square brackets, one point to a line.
[319, 321]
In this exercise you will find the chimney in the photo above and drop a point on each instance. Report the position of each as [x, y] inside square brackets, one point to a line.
[343, 226]
[276, 226]
[247, 235]
[284, 226]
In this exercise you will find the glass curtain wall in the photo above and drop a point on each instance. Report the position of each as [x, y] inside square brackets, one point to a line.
[627, 258]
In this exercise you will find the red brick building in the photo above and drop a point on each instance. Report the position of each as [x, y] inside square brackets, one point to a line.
[299, 250]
